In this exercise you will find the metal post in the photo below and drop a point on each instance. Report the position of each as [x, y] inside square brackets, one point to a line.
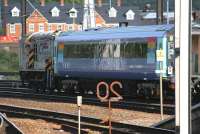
[167, 11]
[4, 17]
[79, 103]
[161, 92]
[159, 14]
[177, 66]
[110, 3]
[110, 115]
[73, 19]
[182, 32]
[79, 120]
[23, 14]
[86, 15]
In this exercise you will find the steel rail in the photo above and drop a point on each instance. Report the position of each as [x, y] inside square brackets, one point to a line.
[7, 126]
[140, 106]
[9, 73]
[87, 122]
[166, 124]
[14, 89]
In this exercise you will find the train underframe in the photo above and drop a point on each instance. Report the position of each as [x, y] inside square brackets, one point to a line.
[45, 81]
[131, 88]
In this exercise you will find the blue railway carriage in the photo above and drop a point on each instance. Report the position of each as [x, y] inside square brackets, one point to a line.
[77, 61]
[126, 54]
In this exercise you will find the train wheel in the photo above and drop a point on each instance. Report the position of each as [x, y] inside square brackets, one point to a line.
[196, 87]
[148, 93]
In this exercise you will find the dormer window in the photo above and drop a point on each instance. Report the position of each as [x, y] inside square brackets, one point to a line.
[130, 15]
[112, 12]
[55, 12]
[73, 13]
[15, 12]
[12, 28]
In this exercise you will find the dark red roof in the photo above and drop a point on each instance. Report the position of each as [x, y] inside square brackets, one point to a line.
[9, 39]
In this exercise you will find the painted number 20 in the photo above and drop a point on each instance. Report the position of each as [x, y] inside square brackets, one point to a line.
[108, 90]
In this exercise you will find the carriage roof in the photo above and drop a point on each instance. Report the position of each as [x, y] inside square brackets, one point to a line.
[116, 33]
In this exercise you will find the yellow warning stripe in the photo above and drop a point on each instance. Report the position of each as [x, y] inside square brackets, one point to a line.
[30, 62]
[30, 55]
[31, 58]
[48, 65]
[32, 50]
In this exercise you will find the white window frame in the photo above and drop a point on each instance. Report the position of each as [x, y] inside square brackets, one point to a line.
[130, 16]
[31, 27]
[41, 27]
[49, 27]
[15, 12]
[70, 28]
[12, 28]
[55, 12]
[112, 13]
[80, 27]
[59, 27]
[73, 15]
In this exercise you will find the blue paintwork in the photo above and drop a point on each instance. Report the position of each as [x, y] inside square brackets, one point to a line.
[107, 68]
[112, 68]
[108, 75]
[116, 33]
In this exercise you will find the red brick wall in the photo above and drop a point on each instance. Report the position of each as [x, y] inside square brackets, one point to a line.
[99, 19]
[37, 18]
[17, 30]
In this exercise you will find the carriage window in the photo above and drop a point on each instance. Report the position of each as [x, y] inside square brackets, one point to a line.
[79, 51]
[105, 50]
[134, 50]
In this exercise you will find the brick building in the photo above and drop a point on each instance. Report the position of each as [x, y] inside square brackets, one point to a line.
[43, 16]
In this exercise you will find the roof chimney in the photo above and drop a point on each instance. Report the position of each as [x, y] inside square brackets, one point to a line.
[42, 2]
[99, 3]
[62, 2]
[119, 3]
[5, 3]
[147, 8]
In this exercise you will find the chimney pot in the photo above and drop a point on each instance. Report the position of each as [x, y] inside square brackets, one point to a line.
[62, 2]
[119, 3]
[5, 3]
[99, 3]
[42, 2]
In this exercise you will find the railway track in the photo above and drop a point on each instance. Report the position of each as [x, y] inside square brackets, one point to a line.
[11, 83]
[170, 123]
[141, 106]
[24, 92]
[166, 124]
[9, 73]
[7, 127]
[69, 121]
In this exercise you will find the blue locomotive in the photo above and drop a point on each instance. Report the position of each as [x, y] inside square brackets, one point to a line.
[77, 61]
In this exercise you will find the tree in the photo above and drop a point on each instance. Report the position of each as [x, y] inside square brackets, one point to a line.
[1, 31]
